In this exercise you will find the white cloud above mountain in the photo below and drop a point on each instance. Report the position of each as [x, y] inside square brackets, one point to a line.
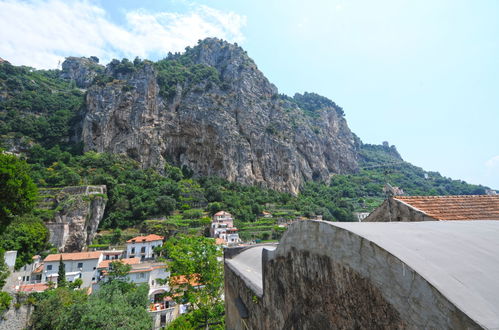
[41, 33]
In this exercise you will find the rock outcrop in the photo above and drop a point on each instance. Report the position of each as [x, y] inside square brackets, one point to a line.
[77, 214]
[211, 110]
[81, 70]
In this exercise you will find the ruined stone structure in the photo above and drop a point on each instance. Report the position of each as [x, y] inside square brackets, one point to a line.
[323, 275]
[435, 208]
[77, 213]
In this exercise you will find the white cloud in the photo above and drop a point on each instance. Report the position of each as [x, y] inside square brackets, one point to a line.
[41, 33]
[493, 162]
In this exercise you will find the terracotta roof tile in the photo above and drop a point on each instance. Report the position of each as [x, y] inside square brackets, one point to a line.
[182, 279]
[127, 261]
[39, 269]
[148, 238]
[220, 241]
[219, 213]
[464, 207]
[73, 256]
[37, 287]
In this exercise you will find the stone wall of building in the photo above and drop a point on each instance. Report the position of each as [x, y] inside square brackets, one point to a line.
[322, 277]
[393, 210]
[77, 213]
[240, 298]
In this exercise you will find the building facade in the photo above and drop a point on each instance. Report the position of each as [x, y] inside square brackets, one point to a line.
[143, 246]
[222, 227]
[82, 265]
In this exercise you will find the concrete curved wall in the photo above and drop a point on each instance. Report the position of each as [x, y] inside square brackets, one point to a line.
[323, 276]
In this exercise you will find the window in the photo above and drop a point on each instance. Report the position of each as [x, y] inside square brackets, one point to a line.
[133, 250]
[80, 265]
[107, 257]
[143, 249]
[49, 267]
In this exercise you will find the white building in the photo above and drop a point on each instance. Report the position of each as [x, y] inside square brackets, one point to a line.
[10, 259]
[77, 265]
[222, 226]
[151, 273]
[143, 246]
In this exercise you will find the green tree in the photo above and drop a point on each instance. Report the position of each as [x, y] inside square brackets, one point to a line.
[118, 271]
[17, 191]
[27, 235]
[56, 308]
[116, 305]
[76, 284]
[4, 270]
[195, 259]
[61, 278]
[116, 238]
[5, 300]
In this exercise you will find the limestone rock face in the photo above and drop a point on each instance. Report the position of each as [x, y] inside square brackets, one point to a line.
[237, 127]
[81, 70]
[78, 212]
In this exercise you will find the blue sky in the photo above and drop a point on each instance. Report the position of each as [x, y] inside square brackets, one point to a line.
[423, 75]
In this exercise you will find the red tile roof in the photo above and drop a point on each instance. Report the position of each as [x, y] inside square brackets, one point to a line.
[73, 256]
[148, 238]
[38, 269]
[220, 241]
[219, 213]
[466, 207]
[37, 287]
[127, 261]
[181, 279]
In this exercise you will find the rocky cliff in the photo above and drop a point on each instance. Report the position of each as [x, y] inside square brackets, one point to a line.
[211, 110]
[77, 212]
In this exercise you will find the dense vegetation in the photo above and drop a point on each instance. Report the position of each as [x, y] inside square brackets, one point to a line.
[181, 69]
[17, 190]
[37, 105]
[195, 259]
[117, 305]
[381, 164]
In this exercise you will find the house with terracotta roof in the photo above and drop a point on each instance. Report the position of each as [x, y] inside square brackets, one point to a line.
[222, 226]
[143, 246]
[266, 214]
[436, 208]
[81, 265]
[140, 272]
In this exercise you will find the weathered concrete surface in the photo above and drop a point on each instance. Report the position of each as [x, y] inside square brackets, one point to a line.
[248, 264]
[422, 275]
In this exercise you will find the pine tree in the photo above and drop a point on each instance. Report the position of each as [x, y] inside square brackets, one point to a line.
[61, 279]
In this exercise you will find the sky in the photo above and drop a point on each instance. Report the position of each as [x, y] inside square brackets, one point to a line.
[422, 75]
